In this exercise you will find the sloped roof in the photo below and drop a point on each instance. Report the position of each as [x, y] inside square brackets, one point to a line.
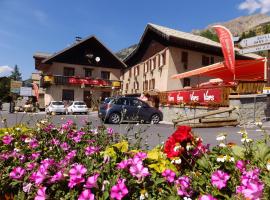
[79, 47]
[42, 55]
[176, 37]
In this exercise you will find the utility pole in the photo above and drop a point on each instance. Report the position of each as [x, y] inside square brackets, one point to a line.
[267, 111]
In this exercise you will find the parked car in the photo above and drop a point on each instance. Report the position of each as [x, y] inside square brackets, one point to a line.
[55, 107]
[119, 109]
[77, 107]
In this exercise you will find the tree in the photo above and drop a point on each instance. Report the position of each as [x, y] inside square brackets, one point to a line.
[16, 75]
[210, 35]
[4, 88]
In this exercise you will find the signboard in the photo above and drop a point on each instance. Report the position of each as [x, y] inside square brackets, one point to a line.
[227, 46]
[254, 49]
[257, 40]
[26, 91]
[15, 86]
[202, 96]
[266, 90]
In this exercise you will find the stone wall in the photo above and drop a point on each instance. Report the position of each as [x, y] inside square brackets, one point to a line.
[249, 108]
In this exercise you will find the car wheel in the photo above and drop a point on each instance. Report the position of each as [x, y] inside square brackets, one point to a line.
[155, 119]
[115, 118]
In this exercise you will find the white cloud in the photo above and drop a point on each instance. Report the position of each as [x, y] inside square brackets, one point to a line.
[5, 69]
[253, 5]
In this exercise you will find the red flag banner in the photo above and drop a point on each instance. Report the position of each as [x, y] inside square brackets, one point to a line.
[226, 41]
[35, 87]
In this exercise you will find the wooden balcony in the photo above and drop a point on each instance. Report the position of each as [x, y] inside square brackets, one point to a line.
[48, 80]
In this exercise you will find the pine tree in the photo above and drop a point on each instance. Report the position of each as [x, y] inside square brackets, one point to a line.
[15, 74]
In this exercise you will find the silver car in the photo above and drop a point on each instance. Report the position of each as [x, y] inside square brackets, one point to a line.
[77, 107]
[55, 107]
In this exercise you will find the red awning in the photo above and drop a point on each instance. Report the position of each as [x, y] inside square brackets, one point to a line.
[245, 70]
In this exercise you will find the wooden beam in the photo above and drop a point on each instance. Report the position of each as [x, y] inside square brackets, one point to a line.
[203, 115]
[218, 119]
[209, 125]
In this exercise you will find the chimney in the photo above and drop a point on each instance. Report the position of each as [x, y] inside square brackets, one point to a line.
[78, 39]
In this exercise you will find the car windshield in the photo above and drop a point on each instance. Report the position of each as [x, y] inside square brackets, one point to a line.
[57, 103]
[107, 100]
[79, 103]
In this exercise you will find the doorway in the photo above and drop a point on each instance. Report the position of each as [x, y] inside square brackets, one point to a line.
[87, 98]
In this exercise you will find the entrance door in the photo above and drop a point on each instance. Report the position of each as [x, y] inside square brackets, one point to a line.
[87, 98]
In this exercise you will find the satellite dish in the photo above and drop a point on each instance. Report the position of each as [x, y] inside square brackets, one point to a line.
[97, 59]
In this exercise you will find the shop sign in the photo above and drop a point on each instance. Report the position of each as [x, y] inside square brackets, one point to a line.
[15, 86]
[266, 90]
[202, 96]
[26, 91]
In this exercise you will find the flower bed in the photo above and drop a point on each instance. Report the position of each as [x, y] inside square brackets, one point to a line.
[49, 162]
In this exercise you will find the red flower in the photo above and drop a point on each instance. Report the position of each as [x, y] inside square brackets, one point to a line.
[183, 133]
[173, 146]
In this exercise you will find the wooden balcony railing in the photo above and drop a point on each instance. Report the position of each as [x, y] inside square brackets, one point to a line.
[48, 80]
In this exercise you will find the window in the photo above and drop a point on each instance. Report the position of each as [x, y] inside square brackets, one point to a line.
[129, 73]
[68, 71]
[212, 60]
[152, 84]
[88, 72]
[163, 59]
[126, 86]
[105, 75]
[186, 82]
[145, 85]
[121, 101]
[205, 60]
[137, 85]
[184, 59]
[68, 95]
[135, 102]
[136, 70]
[153, 66]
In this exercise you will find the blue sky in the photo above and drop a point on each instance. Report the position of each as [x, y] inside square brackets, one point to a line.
[28, 26]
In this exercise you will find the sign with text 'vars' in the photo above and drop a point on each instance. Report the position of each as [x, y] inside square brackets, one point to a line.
[255, 41]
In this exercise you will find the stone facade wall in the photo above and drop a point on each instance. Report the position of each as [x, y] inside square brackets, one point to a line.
[249, 108]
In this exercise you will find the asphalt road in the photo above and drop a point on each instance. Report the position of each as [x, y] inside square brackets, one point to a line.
[152, 134]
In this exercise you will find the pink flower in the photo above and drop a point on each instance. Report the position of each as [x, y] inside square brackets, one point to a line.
[253, 190]
[55, 142]
[34, 156]
[91, 150]
[169, 175]
[110, 131]
[183, 186]
[76, 173]
[7, 139]
[77, 170]
[123, 164]
[119, 190]
[241, 165]
[141, 155]
[91, 181]
[41, 195]
[38, 177]
[57, 177]
[207, 197]
[31, 166]
[71, 155]
[219, 179]
[86, 195]
[65, 146]
[139, 171]
[73, 181]
[17, 173]
[33, 143]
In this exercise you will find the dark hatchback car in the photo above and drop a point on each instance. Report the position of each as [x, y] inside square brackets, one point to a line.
[120, 109]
